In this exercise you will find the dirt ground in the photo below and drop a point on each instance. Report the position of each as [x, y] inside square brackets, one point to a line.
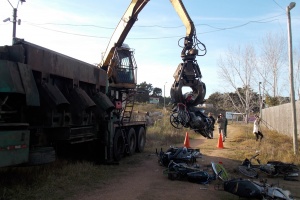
[147, 181]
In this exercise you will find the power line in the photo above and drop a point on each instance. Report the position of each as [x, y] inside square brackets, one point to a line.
[68, 32]
[140, 26]
[59, 24]
[278, 5]
[145, 38]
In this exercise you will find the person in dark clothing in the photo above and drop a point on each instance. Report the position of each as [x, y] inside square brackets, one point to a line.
[213, 121]
[225, 127]
[211, 117]
[221, 126]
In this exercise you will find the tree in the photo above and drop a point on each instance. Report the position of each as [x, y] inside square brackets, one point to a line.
[272, 59]
[157, 92]
[146, 86]
[142, 95]
[237, 104]
[236, 73]
[272, 101]
[217, 99]
[275, 101]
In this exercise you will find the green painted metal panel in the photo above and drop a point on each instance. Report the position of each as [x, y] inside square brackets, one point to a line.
[10, 80]
[31, 90]
[14, 147]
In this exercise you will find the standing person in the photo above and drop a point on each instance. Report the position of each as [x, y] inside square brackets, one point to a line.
[225, 126]
[221, 125]
[213, 121]
[256, 131]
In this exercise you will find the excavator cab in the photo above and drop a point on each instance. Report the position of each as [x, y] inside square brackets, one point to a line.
[122, 69]
[118, 59]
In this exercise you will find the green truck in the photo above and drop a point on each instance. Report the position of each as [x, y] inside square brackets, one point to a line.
[49, 100]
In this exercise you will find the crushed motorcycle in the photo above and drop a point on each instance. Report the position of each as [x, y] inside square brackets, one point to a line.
[179, 155]
[246, 188]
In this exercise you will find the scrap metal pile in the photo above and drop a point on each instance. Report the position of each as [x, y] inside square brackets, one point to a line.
[181, 164]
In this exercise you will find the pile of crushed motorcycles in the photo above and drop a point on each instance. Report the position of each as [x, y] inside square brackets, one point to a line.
[181, 164]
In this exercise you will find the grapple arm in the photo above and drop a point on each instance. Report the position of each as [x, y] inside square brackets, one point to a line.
[187, 73]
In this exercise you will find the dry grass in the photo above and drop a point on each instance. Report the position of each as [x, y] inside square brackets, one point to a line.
[274, 146]
[147, 107]
[162, 133]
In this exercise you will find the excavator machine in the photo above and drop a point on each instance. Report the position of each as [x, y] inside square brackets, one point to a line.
[50, 101]
[119, 63]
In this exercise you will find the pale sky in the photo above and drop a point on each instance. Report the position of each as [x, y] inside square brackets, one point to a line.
[82, 29]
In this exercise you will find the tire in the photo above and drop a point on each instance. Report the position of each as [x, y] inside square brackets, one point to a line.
[118, 146]
[289, 170]
[141, 140]
[184, 118]
[131, 138]
[249, 172]
[174, 120]
[284, 168]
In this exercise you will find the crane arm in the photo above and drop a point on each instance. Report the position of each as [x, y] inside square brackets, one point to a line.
[122, 30]
[187, 73]
[188, 23]
[119, 62]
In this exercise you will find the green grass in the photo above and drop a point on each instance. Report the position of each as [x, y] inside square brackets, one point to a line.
[52, 181]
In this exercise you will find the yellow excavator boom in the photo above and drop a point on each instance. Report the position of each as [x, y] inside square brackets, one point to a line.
[122, 30]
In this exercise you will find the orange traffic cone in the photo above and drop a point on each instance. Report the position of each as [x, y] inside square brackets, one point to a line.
[187, 140]
[220, 142]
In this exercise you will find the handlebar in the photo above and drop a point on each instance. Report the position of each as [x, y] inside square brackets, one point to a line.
[254, 157]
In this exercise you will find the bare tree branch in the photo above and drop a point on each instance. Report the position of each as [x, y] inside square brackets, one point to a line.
[273, 59]
[236, 71]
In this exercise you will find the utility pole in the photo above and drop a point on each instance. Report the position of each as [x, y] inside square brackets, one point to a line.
[294, 119]
[14, 23]
[165, 96]
[260, 102]
[15, 10]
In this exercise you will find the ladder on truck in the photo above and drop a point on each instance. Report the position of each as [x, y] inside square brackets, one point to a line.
[129, 104]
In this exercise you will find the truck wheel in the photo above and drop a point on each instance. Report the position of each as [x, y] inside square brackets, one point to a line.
[131, 141]
[119, 145]
[141, 141]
